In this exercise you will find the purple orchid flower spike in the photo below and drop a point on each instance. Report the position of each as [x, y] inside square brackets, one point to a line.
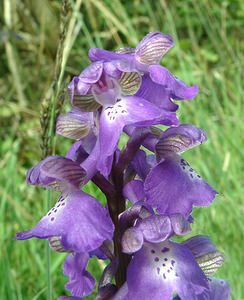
[150, 189]
[158, 85]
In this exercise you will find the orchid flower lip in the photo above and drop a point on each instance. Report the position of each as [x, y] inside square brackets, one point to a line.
[108, 93]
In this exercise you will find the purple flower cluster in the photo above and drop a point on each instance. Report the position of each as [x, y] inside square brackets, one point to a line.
[150, 188]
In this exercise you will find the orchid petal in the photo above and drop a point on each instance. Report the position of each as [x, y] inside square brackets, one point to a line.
[179, 139]
[156, 94]
[75, 124]
[81, 283]
[71, 218]
[130, 83]
[56, 172]
[173, 186]
[178, 89]
[152, 48]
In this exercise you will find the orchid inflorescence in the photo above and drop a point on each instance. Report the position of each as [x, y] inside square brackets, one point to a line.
[150, 189]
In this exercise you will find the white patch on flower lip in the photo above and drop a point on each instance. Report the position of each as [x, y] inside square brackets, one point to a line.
[162, 260]
[185, 167]
[115, 111]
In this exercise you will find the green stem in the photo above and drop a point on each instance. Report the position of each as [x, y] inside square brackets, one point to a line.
[48, 255]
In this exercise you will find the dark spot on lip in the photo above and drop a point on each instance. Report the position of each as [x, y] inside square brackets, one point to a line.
[152, 251]
[52, 219]
[164, 276]
[156, 259]
[165, 249]
[165, 259]
[172, 262]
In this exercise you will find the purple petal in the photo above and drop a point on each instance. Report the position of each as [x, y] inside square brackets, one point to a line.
[179, 139]
[128, 111]
[178, 89]
[219, 290]
[110, 68]
[81, 283]
[179, 224]
[155, 228]
[129, 216]
[174, 187]
[90, 164]
[152, 48]
[92, 73]
[96, 54]
[132, 240]
[121, 293]
[77, 152]
[134, 191]
[200, 245]
[156, 94]
[142, 163]
[164, 268]
[56, 172]
[144, 113]
[77, 87]
[152, 138]
[72, 218]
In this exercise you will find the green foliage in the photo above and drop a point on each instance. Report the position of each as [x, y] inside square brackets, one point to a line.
[207, 52]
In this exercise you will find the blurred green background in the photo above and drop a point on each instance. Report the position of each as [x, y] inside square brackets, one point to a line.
[208, 52]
